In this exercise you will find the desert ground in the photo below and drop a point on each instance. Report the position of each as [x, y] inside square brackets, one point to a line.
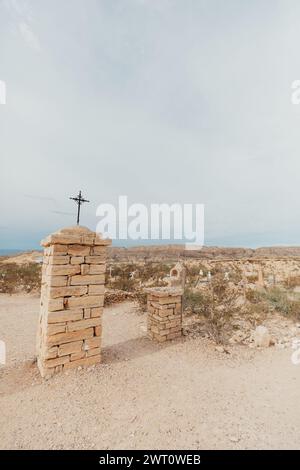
[178, 395]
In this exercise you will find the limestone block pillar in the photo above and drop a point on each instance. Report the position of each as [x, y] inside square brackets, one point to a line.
[72, 299]
[164, 321]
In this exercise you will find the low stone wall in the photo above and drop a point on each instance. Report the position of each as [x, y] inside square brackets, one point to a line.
[164, 307]
[72, 298]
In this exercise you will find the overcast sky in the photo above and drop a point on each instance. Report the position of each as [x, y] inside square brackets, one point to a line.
[161, 100]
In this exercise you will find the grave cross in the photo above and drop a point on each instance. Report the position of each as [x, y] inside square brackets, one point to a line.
[79, 200]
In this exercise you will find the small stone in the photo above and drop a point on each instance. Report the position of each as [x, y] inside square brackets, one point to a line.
[262, 337]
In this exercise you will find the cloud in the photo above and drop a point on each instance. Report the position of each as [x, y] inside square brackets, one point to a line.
[186, 103]
[29, 36]
[21, 20]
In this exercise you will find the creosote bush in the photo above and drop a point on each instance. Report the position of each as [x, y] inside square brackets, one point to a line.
[24, 277]
[218, 305]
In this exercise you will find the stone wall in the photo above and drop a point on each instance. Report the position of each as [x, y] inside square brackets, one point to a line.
[72, 298]
[164, 321]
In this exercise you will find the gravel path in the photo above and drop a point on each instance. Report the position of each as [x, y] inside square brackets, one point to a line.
[181, 395]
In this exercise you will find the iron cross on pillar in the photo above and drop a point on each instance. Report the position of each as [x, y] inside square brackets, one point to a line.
[79, 200]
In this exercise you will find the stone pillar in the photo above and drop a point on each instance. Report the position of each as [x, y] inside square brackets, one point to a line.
[164, 320]
[72, 298]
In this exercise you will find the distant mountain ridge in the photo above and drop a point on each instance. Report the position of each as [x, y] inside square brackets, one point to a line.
[170, 252]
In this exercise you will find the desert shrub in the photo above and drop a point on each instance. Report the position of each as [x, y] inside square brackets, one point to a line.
[193, 300]
[278, 300]
[218, 304]
[221, 306]
[149, 272]
[14, 277]
[294, 310]
[292, 281]
[253, 296]
[155, 271]
[124, 282]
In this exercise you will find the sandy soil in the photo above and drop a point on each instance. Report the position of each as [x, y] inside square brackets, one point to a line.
[180, 395]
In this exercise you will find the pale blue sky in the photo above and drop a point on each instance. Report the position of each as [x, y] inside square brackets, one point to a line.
[160, 100]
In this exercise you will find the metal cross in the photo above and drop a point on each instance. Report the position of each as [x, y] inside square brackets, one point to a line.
[79, 200]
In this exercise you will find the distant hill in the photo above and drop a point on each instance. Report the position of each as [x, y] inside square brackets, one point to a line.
[169, 253]
[174, 251]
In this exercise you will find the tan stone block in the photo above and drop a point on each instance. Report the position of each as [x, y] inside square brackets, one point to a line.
[56, 281]
[63, 270]
[92, 343]
[98, 330]
[51, 353]
[85, 269]
[162, 326]
[96, 312]
[157, 306]
[78, 355]
[169, 300]
[87, 361]
[165, 332]
[63, 239]
[58, 260]
[70, 348]
[55, 328]
[174, 335]
[97, 269]
[96, 289]
[85, 301]
[173, 324]
[99, 251]
[178, 308]
[56, 250]
[157, 318]
[77, 259]
[53, 305]
[154, 328]
[79, 250]
[175, 329]
[95, 259]
[88, 239]
[165, 312]
[93, 352]
[57, 361]
[83, 324]
[87, 313]
[70, 337]
[159, 338]
[175, 317]
[67, 291]
[46, 372]
[88, 279]
[101, 241]
[65, 315]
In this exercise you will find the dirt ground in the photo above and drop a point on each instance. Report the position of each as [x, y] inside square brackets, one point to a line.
[180, 395]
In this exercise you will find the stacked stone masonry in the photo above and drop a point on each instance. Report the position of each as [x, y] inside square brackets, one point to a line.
[72, 299]
[164, 321]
